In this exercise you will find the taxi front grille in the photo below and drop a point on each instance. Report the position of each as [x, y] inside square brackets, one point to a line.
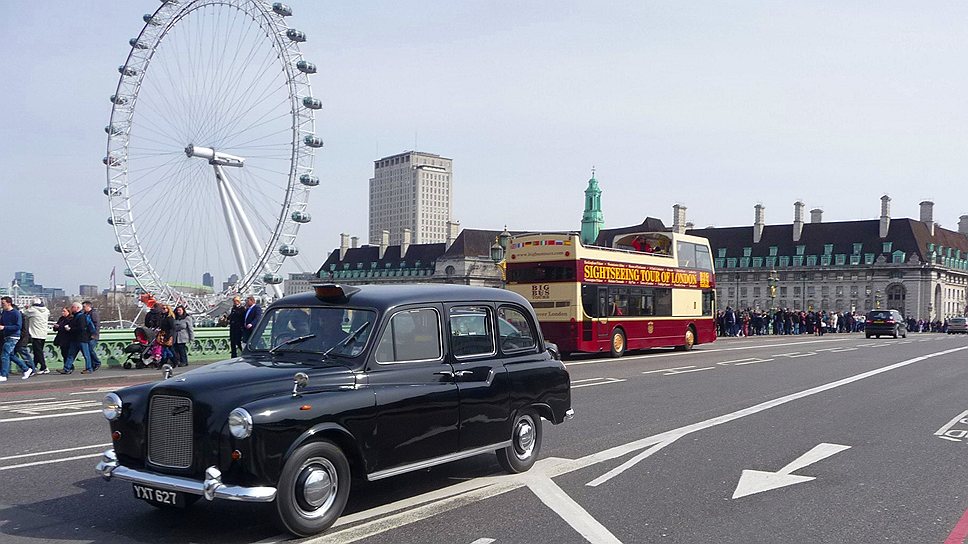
[170, 431]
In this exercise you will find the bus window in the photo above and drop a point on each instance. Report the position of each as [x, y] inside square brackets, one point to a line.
[542, 273]
[620, 301]
[686, 252]
[663, 302]
[703, 259]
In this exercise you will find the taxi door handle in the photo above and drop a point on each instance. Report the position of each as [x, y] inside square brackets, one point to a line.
[460, 373]
[447, 373]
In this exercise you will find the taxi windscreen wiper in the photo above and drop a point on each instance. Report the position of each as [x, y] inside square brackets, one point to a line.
[349, 339]
[295, 340]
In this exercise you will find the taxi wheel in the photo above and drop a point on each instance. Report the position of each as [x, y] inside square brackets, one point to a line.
[313, 489]
[525, 443]
[618, 343]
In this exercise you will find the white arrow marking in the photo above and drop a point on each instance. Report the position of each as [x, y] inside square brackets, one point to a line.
[757, 481]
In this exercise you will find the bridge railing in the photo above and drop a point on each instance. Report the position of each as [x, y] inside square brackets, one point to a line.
[211, 344]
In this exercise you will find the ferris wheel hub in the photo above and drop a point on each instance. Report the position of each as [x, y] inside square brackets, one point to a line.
[214, 157]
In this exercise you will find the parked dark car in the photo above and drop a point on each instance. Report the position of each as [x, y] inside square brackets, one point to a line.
[886, 323]
[372, 381]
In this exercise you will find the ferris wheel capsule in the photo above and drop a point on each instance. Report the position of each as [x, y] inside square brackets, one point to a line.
[113, 130]
[121, 249]
[125, 71]
[296, 35]
[111, 161]
[306, 67]
[312, 103]
[117, 220]
[272, 279]
[133, 42]
[151, 19]
[309, 181]
[301, 217]
[112, 191]
[313, 141]
[281, 9]
[289, 250]
[128, 273]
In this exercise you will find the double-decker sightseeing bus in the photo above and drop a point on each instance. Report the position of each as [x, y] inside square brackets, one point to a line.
[650, 289]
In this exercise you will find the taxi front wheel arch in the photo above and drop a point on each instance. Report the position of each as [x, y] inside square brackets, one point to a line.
[525, 443]
[313, 488]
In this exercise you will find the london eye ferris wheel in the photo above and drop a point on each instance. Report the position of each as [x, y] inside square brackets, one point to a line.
[210, 149]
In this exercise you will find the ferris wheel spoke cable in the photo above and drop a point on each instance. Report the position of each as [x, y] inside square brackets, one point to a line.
[236, 108]
[262, 120]
[245, 145]
[257, 186]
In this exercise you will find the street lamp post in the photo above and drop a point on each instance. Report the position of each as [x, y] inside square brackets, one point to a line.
[773, 279]
[499, 251]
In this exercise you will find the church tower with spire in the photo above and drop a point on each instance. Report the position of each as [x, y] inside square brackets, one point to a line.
[592, 220]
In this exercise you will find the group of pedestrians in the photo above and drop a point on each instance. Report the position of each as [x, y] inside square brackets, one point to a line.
[78, 330]
[175, 332]
[752, 322]
[241, 319]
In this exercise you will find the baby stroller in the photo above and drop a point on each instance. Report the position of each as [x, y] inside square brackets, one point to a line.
[147, 350]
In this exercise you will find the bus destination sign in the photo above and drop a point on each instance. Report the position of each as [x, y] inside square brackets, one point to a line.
[635, 274]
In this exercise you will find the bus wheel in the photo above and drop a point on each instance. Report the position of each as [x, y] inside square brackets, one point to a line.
[618, 343]
[688, 340]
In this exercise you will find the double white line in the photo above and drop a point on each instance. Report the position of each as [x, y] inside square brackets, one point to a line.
[51, 452]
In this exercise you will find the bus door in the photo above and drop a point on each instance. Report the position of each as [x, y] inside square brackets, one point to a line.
[604, 309]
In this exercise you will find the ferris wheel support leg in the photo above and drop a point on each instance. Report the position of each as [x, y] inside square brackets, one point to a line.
[230, 220]
[244, 219]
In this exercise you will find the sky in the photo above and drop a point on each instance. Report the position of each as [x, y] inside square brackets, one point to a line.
[717, 105]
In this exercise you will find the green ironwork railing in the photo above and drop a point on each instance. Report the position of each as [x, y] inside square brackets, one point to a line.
[211, 344]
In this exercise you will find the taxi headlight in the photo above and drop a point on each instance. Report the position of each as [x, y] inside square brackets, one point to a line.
[111, 407]
[240, 423]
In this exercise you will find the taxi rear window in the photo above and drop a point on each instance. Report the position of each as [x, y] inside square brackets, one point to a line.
[879, 315]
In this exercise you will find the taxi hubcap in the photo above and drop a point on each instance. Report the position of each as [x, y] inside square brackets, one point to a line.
[524, 438]
[316, 487]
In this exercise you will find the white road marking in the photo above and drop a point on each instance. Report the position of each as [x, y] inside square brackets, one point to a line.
[39, 408]
[483, 541]
[95, 391]
[41, 453]
[796, 354]
[29, 418]
[957, 435]
[758, 481]
[605, 381]
[629, 358]
[379, 520]
[580, 520]
[52, 461]
[22, 401]
[628, 464]
[668, 369]
[746, 361]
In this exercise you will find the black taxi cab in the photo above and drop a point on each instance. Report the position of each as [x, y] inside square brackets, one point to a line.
[369, 381]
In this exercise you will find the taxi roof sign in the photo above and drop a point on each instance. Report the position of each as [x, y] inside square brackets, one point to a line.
[332, 292]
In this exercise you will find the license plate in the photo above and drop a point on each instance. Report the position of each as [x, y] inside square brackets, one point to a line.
[879, 321]
[159, 496]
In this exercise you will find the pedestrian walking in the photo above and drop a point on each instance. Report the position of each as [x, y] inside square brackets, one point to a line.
[62, 335]
[183, 334]
[253, 313]
[11, 324]
[80, 340]
[94, 324]
[236, 319]
[36, 315]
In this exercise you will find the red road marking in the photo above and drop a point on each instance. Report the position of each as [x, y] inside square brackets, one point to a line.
[960, 531]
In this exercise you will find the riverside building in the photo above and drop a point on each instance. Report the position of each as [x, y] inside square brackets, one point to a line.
[412, 190]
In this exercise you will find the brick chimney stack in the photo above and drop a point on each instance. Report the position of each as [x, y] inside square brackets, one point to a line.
[384, 242]
[816, 215]
[679, 219]
[344, 244]
[927, 215]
